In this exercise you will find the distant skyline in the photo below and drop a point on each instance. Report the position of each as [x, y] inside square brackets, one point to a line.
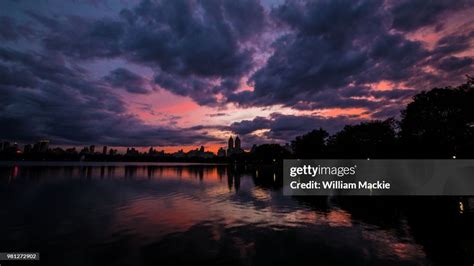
[181, 74]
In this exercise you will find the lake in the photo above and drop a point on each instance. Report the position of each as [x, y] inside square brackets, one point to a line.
[191, 214]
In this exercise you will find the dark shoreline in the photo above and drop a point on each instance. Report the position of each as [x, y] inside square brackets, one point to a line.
[101, 163]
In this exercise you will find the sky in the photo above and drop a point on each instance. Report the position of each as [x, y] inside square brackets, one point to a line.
[185, 73]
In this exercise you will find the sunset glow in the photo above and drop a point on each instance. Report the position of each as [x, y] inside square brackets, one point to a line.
[134, 76]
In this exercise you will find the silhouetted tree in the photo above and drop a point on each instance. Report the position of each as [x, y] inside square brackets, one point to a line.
[374, 139]
[310, 145]
[440, 123]
[269, 153]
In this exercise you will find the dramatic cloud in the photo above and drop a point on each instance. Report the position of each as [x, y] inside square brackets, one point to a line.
[11, 31]
[322, 55]
[101, 72]
[453, 63]
[198, 47]
[282, 128]
[413, 14]
[53, 100]
[83, 38]
[207, 44]
[125, 79]
[189, 37]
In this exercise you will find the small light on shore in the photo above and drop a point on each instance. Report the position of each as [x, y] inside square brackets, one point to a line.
[454, 156]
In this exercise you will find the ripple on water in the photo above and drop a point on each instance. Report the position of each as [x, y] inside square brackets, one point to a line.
[188, 216]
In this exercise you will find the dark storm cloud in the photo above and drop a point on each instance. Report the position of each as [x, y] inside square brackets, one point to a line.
[127, 80]
[187, 37]
[202, 49]
[60, 102]
[392, 57]
[321, 54]
[95, 3]
[83, 38]
[12, 76]
[49, 67]
[300, 63]
[333, 46]
[245, 127]
[45, 21]
[452, 43]
[393, 94]
[453, 63]
[202, 91]
[208, 127]
[445, 57]
[412, 14]
[330, 19]
[12, 31]
[283, 128]
[199, 44]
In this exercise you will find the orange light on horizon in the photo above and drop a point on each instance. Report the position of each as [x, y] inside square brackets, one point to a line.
[213, 147]
[334, 112]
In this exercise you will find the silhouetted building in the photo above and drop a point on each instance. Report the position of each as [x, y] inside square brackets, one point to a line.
[58, 151]
[132, 151]
[237, 143]
[200, 153]
[27, 148]
[85, 150]
[154, 152]
[15, 148]
[231, 149]
[104, 150]
[230, 143]
[71, 150]
[92, 148]
[5, 146]
[230, 146]
[221, 152]
[43, 145]
[179, 154]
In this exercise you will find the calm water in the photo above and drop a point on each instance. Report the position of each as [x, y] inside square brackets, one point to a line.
[142, 214]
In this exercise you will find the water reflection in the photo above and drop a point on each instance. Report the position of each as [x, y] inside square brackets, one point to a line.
[152, 214]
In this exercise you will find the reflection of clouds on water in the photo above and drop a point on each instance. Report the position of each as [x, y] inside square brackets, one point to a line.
[392, 246]
[289, 246]
[166, 212]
